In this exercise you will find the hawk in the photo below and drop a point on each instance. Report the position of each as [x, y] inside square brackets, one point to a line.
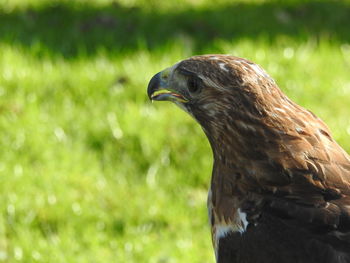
[280, 186]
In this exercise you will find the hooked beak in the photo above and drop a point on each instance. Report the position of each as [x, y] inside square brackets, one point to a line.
[158, 89]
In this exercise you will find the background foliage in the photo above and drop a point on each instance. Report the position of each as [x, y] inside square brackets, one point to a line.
[90, 170]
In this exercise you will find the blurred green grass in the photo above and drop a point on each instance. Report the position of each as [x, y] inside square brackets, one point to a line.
[90, 170]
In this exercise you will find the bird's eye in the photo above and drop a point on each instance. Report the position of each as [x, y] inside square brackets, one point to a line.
[193, 85]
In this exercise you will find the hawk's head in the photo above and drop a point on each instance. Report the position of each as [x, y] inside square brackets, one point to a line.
[212, 86]
[217, 90]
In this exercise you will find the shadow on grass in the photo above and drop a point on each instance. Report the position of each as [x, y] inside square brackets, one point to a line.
[69, 30]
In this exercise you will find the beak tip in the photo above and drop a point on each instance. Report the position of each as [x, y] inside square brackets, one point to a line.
[153, 85]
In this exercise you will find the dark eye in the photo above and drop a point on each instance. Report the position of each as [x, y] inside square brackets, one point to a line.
[193, 85]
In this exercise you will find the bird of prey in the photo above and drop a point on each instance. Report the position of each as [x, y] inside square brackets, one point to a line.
[280, 186]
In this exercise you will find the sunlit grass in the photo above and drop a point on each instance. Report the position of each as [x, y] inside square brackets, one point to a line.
[91, 171]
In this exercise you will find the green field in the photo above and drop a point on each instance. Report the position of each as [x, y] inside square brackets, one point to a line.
[90, 170]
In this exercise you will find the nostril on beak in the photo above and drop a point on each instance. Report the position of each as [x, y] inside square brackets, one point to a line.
[153, 85]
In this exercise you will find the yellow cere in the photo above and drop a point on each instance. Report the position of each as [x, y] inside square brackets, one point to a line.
[165, 73]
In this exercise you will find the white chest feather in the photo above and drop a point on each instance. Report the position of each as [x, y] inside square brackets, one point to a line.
[221, 228]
